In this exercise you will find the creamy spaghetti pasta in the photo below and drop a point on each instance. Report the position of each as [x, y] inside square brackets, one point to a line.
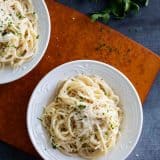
[84, 118]
[18, 32]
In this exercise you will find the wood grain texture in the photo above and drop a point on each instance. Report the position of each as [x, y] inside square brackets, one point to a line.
[73, 37]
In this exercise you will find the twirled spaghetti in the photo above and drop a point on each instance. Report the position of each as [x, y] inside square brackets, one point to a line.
[84, 118]
[18, 32]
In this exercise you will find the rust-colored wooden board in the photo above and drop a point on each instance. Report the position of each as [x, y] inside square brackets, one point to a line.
[73, 37]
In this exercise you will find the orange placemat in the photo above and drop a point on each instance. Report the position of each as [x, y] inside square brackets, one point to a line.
[73, 37]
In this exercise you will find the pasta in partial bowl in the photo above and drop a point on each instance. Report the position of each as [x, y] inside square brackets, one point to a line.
[84, 110]
[21, 27]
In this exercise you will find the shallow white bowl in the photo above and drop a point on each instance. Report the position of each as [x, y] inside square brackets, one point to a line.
[9, 74]
[129, 99]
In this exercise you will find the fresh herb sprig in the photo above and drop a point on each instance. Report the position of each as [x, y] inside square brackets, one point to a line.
[119, 9]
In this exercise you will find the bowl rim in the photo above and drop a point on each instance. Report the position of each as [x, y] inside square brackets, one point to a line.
[96, 62]
[43, 51]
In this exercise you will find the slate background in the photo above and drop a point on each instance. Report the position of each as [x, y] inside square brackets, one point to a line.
[145, 29]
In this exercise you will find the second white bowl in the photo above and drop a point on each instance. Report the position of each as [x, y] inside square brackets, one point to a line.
[8, 74]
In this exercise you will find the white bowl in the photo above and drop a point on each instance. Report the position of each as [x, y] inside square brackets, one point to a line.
[129, 99]
[9, 74]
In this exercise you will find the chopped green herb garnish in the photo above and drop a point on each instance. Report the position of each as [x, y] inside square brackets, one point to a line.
[100, 46]
[19, 15]
[13, 46]
[106, 134]
[37, 37]
[81, 99]
[81, 106]
[4, 33]
[9, 24]
[54, 146]
[2, 53]
[39, 119]
[112, 126]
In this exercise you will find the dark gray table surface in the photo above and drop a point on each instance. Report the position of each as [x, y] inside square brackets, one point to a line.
[145, 29]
